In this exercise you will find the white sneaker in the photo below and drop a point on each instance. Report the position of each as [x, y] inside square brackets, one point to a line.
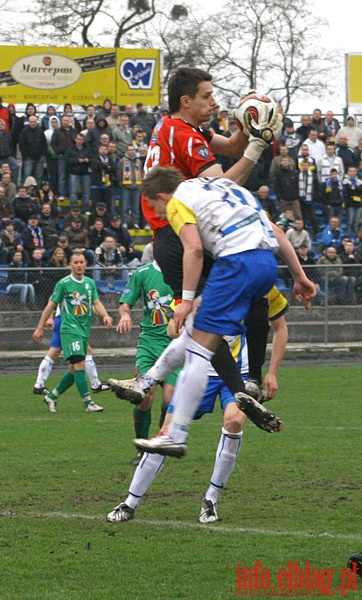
[52, 404]
[162, 444]
[122, 512]
[93, 407]
[128, 389]
[208, 512]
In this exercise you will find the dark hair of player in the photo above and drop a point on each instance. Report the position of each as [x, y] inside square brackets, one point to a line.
[184, 82]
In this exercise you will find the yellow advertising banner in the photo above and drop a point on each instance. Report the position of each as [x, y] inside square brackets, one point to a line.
[44, 74]
[138, 76]
[355, 78]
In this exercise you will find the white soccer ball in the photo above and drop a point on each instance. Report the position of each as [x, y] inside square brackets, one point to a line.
[255, 114]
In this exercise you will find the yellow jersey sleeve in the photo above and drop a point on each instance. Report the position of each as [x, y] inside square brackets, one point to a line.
[277, 304]
[178, 214]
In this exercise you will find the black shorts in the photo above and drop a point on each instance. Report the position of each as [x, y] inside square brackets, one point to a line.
[168, 252]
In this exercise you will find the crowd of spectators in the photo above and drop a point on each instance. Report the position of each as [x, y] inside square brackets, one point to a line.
[308, 180]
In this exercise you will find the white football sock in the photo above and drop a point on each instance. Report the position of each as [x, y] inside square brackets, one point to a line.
[45, 368]
[190, 388]
[91, 371]
[226, 455]
[147, 470]
[171, 359]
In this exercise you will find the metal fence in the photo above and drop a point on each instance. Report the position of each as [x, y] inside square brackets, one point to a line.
[335, 315]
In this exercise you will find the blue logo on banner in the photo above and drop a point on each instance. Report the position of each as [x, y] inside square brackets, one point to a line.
[138, 74]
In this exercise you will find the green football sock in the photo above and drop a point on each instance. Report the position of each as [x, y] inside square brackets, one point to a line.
[163, 413]
[66, 382]
[82, 385]
[142, 422]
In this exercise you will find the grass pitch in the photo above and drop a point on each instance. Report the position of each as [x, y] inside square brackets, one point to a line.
[294, 497]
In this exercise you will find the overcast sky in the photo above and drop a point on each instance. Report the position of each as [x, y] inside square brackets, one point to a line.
[344, 32]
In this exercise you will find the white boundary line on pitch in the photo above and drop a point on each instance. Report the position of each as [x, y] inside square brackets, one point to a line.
[216, 425]
[185, 525]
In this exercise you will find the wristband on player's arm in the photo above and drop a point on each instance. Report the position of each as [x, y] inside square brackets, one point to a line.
[188, 295]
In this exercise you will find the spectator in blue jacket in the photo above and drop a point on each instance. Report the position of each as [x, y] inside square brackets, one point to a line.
[332, 234]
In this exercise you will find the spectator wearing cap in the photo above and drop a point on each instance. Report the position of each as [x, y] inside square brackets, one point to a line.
[6, 151]
[220, 124]
[145, 120]
[215, 111]
[23, 206]
[62, 242]
[100, 212]
[74, 212]
[34, 237]
[47, 196]
[164, 111]
[125, 242]
[78, 239]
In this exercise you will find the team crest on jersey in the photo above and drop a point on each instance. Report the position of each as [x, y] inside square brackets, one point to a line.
[80, 306]
[158, 306]
[139, 74]
[156, 131]
[203, 151]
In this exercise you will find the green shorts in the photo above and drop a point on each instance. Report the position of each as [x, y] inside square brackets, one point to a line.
[73, 344]
[146, 356]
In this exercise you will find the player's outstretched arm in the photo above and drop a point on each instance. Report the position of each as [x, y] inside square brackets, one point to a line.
[192, 267]
[101, 311]
[46, 314]
[280, 338]
[125, 320]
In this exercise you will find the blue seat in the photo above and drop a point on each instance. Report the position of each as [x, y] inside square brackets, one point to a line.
[120, 285]
[314, 253]
[280, 283]
[319, 209]
[103, 287]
